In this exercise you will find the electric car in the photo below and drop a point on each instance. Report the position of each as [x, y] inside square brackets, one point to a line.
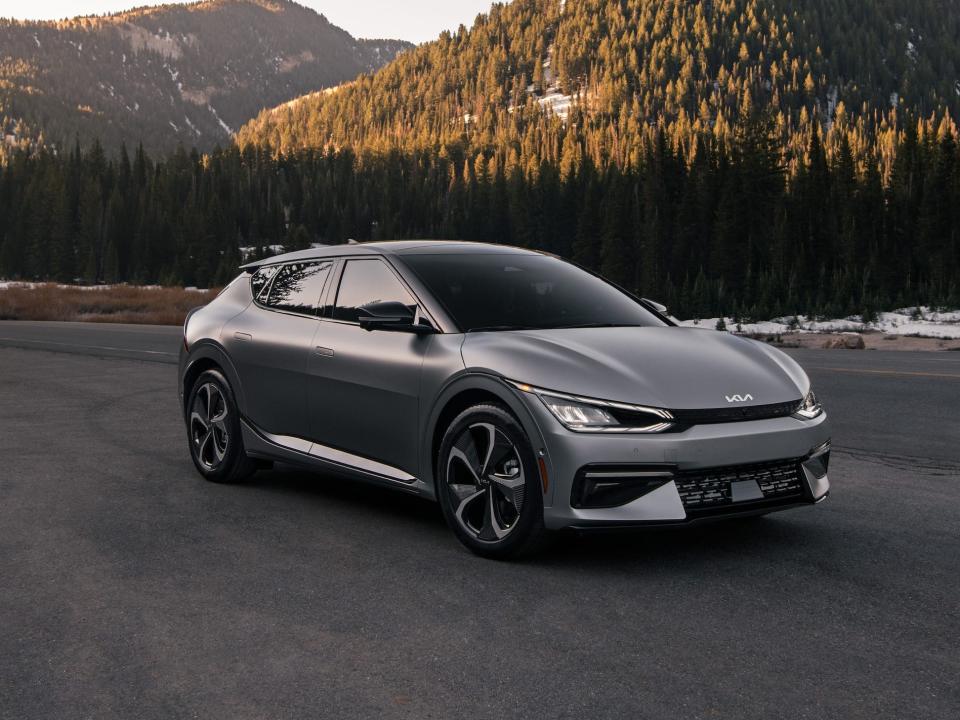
[520, 391]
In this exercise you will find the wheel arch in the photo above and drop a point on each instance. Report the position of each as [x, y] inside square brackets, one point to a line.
[464, 391]
[210, 356]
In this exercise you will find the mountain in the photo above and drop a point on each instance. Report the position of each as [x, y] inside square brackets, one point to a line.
[743, 158]
[170, 74]
[619, 66]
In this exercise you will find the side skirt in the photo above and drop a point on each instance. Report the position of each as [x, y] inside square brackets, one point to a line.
[317, 457]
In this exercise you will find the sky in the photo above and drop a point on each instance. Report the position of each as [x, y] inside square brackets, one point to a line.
[414, 20]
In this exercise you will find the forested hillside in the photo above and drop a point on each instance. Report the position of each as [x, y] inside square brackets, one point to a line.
[172, 74]
[624, 69]
[751, 157]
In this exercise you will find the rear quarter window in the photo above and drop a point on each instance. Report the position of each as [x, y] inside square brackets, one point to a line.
[261, 279]
[297, 288]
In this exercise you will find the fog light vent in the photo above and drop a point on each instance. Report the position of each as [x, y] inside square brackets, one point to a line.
[607, 486]
[819, 461]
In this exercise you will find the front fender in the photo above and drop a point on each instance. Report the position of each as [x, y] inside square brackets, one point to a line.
[466, 382]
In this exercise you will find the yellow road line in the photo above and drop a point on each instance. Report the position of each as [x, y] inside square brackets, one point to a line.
[902, 373]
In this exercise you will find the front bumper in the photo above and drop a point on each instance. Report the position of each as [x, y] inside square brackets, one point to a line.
[703, 450]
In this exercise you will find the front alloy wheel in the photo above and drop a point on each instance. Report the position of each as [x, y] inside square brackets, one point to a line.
[488, 484]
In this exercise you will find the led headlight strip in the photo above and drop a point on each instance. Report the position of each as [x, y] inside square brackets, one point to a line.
[589, 415]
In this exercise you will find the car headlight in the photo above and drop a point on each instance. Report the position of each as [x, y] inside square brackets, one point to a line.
[577, 415]
[600, 416]
[810, 407]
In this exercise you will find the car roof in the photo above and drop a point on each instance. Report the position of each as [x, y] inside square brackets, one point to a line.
[391, 247]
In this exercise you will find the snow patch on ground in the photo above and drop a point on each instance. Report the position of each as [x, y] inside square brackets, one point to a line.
[140, 38]
[833, 95]
[919, 322]
[944, 332]
[226, 128]
[192, 126]
[753, 328]
[553, 101]
[247, 252]
[6, 284]
[557, 103]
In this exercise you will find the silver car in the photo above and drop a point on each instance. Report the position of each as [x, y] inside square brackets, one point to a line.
[523, 393]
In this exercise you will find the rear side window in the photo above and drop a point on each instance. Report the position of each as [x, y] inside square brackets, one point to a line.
[261, 278]
[366, 282]
[298, 287]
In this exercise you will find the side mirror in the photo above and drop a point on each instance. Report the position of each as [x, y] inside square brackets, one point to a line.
[393, 316]
[662, 309]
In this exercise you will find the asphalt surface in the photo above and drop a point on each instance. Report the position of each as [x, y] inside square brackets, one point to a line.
[129, 588]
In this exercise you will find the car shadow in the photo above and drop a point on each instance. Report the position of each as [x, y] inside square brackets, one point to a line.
[726, 541]
[369, 497]
[731, 541]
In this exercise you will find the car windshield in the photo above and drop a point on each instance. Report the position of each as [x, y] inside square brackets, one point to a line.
[492, 291]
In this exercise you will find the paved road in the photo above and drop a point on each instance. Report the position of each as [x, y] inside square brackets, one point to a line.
[154, 343]
[899, 406]
[129, 588]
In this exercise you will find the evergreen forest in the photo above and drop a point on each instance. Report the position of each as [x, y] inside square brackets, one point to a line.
[755, 158]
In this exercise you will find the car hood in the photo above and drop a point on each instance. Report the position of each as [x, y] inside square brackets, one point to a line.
[668, 367]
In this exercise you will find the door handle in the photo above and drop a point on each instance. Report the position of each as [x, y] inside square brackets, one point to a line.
[246, 337]
[323, 351]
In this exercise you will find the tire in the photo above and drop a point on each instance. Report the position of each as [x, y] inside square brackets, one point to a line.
[213, 431]
[488, 484]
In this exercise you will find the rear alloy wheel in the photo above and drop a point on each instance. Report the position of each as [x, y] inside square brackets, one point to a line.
[488, 483]
[213, 428]
[208, 426]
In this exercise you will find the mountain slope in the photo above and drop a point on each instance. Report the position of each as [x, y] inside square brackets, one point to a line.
[170, 74]
[620, 65]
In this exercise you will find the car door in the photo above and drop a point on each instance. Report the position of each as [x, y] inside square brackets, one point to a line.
[364, 385]
[270, 344]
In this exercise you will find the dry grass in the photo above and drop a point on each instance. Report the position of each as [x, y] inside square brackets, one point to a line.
[111, 304]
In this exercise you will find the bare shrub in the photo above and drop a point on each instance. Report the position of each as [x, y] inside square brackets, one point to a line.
[111, 304]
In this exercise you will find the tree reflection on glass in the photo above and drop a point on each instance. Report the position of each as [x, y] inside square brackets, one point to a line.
[365, 283]
[261, 279]
[298, 286]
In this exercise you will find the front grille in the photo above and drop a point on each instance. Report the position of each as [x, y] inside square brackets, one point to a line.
[735, 414]
[709, 490]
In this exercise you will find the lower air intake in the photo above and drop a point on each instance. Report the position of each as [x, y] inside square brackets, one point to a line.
[710, 490]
